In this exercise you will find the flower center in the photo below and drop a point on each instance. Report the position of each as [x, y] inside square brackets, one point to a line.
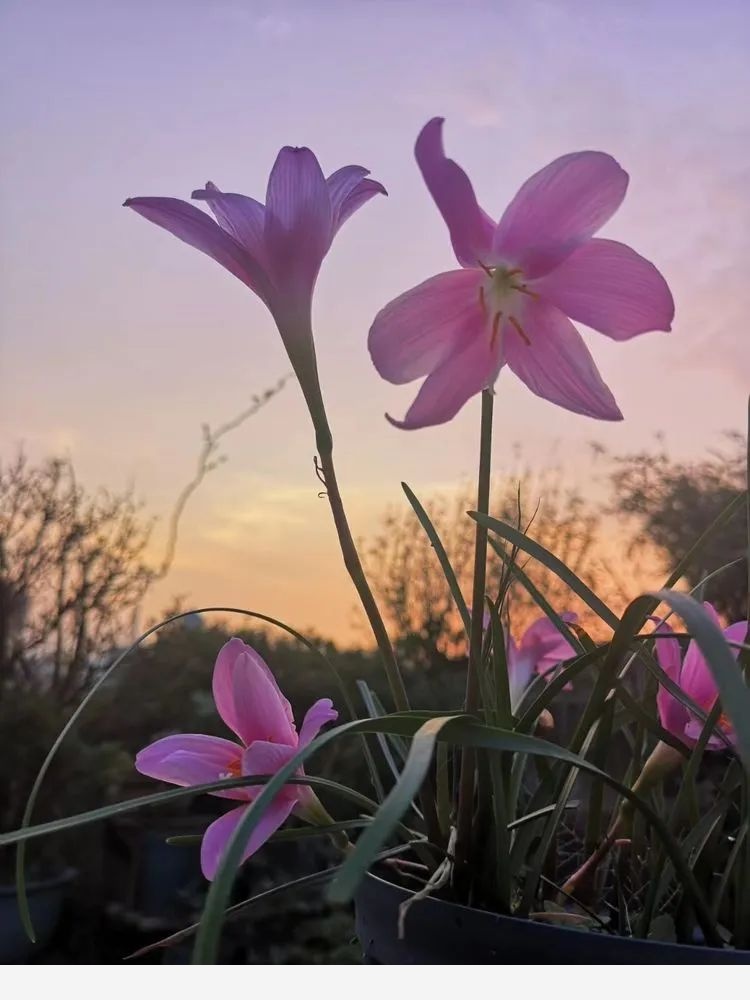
[234, 770]
[500, 296]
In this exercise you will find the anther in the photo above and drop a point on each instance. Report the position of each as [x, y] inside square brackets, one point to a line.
[519, 329]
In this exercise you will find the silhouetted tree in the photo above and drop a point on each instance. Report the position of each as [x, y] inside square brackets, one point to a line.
[72, 572]
[673, 503]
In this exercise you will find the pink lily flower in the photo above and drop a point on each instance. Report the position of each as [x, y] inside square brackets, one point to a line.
[521, 283]
[694, 677]
[539, 651]
[275, 249]
[250, 702]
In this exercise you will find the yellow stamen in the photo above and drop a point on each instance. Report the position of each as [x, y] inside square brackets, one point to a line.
[519, 329]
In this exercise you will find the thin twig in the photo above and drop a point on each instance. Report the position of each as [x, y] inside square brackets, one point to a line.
[205, 465]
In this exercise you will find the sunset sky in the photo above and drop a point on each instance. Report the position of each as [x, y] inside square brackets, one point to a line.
[118, 341]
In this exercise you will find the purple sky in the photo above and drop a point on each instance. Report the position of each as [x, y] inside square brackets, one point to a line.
[117, 341]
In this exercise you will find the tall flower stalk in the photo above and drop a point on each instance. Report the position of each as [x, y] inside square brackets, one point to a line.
[354, 567]
[471, 702]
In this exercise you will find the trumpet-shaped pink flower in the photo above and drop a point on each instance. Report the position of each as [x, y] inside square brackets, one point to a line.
[693, 675]
[250, 702]
[275, 249]
[522, 282]
[539, 651]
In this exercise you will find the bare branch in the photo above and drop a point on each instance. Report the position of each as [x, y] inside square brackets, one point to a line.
[207, 462]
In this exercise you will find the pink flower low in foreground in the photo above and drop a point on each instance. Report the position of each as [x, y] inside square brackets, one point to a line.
[540, 650]
[522, 281]
[693, 675]
[249, 701]
[275, 249]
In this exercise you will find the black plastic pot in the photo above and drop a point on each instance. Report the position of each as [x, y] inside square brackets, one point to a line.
[45, 903]
[440, 933]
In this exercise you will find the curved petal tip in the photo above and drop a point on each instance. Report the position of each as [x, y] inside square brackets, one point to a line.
[401, 424]
[434, 124]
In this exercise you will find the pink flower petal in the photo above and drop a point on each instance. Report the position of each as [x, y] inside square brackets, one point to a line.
[557, 365]
[266, 758]
[242, 217]
[361, 194]
[349, 189]
[193, 759]
[199, 230]
[298, 221]
[420, 329]
[696, 679]
[736, 633]
[260, 712]
[610, 288]
[544, 644]
[557, 209]
[462, 375]
[668, 652]
[220, 831]
[223, 683]
[317, 716]
[341, 183]
[470, 229]
[520, 671]
[672, 714]
[698, 683]
[262, 757]
[694, 728]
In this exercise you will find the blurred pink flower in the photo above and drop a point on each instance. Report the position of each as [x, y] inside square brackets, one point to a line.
[275, 249]
[521, 280]
[540, 650]
[250, 702]
[694, 677]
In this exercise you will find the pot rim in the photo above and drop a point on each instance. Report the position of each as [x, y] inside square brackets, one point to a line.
[626, 942]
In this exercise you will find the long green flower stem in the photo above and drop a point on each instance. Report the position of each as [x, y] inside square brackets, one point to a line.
[324, 442]
[468, 756]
